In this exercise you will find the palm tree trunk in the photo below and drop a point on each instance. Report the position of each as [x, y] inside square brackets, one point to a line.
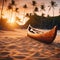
[53, 11]
[24, 15]
[33, 10]
[53, 17]
[49, 10]
[41, 18]
[1, 14]
[2, 8]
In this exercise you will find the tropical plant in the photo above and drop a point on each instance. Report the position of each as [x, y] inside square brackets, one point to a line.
[36, 9]
[25, 7]
[59, 11]
[42, 6]
[34, 4]
[2, 12]
[13, 2]
[11, 7]
[16, 9]
[52, 6]
[2, 7]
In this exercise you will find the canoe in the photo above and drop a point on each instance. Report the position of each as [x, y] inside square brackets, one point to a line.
[46, 37]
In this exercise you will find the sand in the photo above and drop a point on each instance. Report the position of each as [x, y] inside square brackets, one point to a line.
[16, 45]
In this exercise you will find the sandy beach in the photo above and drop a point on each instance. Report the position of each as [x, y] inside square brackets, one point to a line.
[16, 45]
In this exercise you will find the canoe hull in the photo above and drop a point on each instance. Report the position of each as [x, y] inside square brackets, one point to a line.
[47, 37]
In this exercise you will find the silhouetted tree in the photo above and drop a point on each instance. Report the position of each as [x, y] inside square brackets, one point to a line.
[10, 7]
[59, 11]
[2, 7]
[13, 2]
[2, 12]
[27, 14]
[34, 4]
[36, 9]
[53, 4]
[16, 9]
[25, 7]
[42, 8]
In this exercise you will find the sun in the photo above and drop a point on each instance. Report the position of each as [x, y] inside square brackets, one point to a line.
[11, 18]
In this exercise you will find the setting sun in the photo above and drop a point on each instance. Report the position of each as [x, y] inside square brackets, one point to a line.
[11, 18]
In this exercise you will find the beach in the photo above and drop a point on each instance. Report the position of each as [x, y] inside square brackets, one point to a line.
[16, 45]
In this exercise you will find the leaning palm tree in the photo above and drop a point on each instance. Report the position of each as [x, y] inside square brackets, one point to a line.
[2, 7]
[12, 4]
[34, 4]
[16, 11]
[10, 7]
[36, 9]
[25, 7]
[42, 8]
[52, 6]
[2, 12]
[59, 11]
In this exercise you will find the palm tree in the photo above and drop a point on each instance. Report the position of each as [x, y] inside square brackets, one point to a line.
[53, 5]
[2, 7]
[2, 12]
[36, 9]
[25, 7]
[27, 14]
[42, 8]
[59, 11]
[16, 9]
[34, 4]
[13, 2]
[10, 7]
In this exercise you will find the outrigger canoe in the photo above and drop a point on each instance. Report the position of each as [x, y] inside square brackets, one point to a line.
[46, 37]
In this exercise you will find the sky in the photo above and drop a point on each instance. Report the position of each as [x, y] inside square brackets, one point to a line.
[20, 3]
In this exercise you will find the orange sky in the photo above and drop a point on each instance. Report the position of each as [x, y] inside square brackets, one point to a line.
[20, 3]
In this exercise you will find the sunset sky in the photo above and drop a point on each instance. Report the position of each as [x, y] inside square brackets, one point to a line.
[20, 3]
